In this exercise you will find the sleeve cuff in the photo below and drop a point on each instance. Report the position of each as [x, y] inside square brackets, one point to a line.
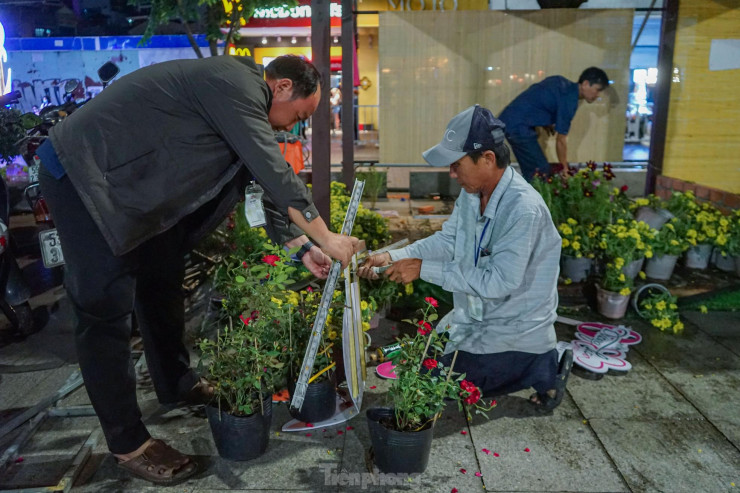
[399, 254]
[432, 271]
[310, 212]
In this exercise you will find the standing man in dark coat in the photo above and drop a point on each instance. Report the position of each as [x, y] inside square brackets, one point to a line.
[552, 104]
[133, 179]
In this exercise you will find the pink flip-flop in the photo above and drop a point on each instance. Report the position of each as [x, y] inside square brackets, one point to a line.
[385, 370]
[604, 336]
[588, 356]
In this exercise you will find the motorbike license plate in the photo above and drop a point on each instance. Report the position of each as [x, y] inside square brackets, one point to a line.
[51, 248]
[33, 173]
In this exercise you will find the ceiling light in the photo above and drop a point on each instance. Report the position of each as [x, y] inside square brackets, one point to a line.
[293, 40]
[264, 40]
[336, 39]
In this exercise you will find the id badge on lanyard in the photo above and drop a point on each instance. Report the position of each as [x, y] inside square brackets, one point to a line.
[254, 210]
[475, 304]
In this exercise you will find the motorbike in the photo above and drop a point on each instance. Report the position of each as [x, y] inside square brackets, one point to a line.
[15, 290]
[38, 130]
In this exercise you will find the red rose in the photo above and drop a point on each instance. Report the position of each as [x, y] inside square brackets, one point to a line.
[254, 314]
[430, 364]
[244, 264]
[431, 301]
[245, 320]
[468, 386]
[270, 259]
[624, 188]
[424, 327]
[473, 397]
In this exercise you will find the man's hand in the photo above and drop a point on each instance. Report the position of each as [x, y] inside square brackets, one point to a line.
[379, 260]
[317, 262]
[404, 271]
[340, 247]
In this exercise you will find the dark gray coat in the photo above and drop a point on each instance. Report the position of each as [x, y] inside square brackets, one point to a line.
[163, 141]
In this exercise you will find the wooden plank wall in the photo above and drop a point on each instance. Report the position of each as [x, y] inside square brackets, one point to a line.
[703, 135]
[435, 64]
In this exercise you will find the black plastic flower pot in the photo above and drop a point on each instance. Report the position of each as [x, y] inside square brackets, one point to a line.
[398, 451]
[319, 403]
[241, 438]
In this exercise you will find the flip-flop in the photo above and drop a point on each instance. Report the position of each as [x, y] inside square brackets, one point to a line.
[588, 356]
[547, 403]
[385, 370]
[608, 336]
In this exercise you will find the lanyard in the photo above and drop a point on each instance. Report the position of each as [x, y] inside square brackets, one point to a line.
[479, 246]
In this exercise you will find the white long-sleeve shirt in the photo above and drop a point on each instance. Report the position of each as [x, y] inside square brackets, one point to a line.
[518, 251]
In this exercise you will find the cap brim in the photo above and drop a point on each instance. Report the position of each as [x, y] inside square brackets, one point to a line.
[441, 156]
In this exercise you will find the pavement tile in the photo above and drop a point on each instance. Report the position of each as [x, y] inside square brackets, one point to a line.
[693, 350]
[710, 394]
[641, 392]
[15, 388]
[564, 455]
[670, 455]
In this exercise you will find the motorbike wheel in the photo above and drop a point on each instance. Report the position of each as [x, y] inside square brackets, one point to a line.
[24, 319]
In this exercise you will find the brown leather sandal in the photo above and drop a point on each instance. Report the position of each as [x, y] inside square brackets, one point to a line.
[160, 464]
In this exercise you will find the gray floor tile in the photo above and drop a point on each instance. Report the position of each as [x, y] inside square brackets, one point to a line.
[670, 455]
[564, 455]
[641, 392]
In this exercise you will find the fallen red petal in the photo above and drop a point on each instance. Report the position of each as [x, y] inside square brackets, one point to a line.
[495, 454]
[478, 474]
[19, 459]
[454, 490]
[373, 387]
[486, 451]
[308, 434]
[309, 425]
[339, 432]
[526, 449]
[463, 432]
[350, 428]
[464, 471]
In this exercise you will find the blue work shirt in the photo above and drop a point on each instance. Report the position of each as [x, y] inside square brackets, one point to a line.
[554, 100]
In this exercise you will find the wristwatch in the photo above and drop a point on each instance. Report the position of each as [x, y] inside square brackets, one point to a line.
[305, 248]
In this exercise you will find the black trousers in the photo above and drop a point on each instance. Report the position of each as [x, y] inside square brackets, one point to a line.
[104, 290]
[507, 372]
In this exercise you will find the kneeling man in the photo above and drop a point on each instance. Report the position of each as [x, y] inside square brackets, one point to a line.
[498, 254]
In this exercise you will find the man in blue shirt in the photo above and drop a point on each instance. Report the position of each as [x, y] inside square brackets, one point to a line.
[551, 103]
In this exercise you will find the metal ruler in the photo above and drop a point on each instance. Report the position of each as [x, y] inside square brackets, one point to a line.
[323, 311]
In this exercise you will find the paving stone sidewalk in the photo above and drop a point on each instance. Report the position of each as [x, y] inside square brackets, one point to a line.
[670, 425]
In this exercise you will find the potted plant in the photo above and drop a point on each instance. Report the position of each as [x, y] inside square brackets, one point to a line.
[583, 194]
[731, 248]
[579, 243]
[667, 245]
[626, 245]
[320, 400]
[652, 211]
[402, 433]
[613, 292]
[660, 308]
[702, 228]
[247, 359]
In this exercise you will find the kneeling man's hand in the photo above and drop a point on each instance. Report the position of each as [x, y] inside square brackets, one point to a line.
[366, 270]
[404, 271]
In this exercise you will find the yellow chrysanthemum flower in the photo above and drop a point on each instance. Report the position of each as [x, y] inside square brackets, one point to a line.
[572, 221]
[576, 245]
[363, 305]
[566, 242]
[276, 301]
[409, 289]
[703, 309]
[642, 274]
[625, 291]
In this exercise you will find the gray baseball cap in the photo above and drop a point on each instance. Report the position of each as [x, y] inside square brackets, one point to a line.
[474, 129]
